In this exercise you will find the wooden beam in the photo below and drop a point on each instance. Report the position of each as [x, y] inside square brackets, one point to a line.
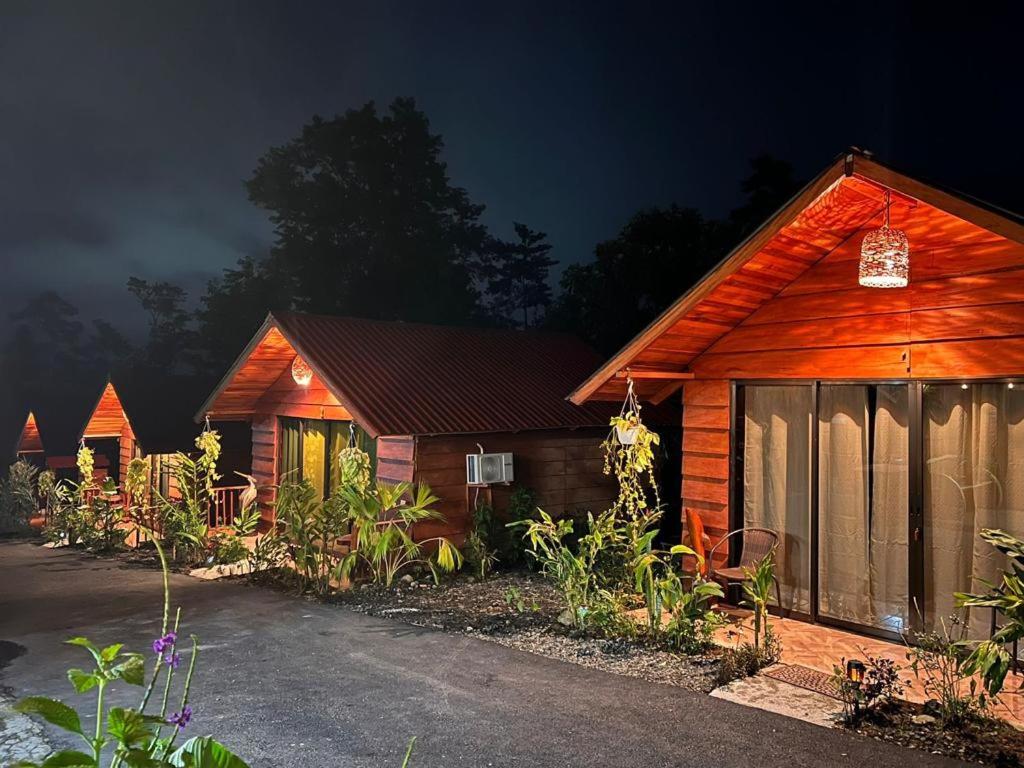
[665, 392]
[666, 375]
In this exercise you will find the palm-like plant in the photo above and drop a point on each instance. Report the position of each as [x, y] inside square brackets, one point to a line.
[382, 519]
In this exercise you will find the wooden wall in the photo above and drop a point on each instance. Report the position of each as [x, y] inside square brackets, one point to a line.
[396, 459]
[285, 398]
[126, 446]
[961, 316]
[564, 468]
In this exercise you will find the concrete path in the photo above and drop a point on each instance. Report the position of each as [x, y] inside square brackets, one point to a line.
[288, 682]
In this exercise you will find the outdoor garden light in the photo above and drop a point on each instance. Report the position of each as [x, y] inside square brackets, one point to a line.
[301, 372]
[855, 672]
[884, 256]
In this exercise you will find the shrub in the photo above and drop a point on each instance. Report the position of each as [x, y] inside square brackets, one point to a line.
[875, 694]
[990, 658]
[18, 502]
[480, 557]
[571, 570]
[311, 529]
[747, 659]
[184, 522]
[940, 661]
[382, 519]
[101, 517]
[522, 505]
[146, 735]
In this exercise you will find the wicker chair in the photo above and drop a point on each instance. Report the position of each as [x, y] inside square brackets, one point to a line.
[756, 545]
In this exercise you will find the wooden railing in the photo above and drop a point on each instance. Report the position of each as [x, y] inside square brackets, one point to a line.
[225, 506]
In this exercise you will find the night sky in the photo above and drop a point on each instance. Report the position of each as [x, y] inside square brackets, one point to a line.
[126, 129]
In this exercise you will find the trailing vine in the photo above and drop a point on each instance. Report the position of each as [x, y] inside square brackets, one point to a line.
[629, 456]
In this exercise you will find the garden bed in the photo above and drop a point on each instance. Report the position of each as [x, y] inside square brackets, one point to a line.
[987, 740]
[520, 610]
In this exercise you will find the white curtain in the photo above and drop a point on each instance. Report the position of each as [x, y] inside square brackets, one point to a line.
[974, 458]
[862, 514]
[776, 480]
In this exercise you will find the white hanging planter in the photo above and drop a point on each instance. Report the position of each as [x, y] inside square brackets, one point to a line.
[627, 436]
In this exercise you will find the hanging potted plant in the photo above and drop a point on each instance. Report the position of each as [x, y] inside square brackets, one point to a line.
[629, 456]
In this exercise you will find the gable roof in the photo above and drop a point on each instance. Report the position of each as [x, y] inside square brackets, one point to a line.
[400, 378]
[828, 214]
[29, 441]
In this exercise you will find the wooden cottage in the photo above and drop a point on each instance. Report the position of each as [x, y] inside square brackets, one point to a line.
[30, 443]
[419, 399]
[876, 430]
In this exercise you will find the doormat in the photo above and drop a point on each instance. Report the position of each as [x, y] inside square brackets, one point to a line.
[804, 677]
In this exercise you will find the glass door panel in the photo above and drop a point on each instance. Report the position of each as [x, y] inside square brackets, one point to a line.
[973, 480]
[777, 480]
[314, 454]
[863, 450]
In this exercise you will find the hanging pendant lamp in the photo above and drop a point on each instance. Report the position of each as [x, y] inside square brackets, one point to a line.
[301, 372]
[885, 256]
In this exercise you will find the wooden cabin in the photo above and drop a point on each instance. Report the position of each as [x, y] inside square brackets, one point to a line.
[876, 430]
[30, 442]
[419, 399]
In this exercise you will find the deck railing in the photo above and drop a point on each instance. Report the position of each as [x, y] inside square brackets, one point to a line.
[226, 505]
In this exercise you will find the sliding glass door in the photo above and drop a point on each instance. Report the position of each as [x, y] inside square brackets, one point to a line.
[309, 449]
[863, 448]
[776, 472]
[973, 479]
[879, 493]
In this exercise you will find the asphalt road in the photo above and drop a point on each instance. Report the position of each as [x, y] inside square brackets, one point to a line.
[289, 682]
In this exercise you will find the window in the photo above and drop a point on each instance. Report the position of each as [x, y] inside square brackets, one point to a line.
[309, 450]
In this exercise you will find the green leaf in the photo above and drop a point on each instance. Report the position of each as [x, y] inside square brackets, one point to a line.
[82, 680]
[84, 642]
[204, 752]
[52, 711]
[110, 652]
[132, 670]
[127, 726]
[69, 758]
[140, 758]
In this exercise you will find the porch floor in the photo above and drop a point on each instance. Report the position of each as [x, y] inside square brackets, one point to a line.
[820, 647]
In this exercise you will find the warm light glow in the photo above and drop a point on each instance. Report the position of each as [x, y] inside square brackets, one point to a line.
[884, 256]
[965, 386]
[855, 671]
[301, 372]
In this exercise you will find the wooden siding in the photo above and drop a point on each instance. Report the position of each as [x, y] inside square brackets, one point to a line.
[107, 418]
[286, 398]
[962, 315]
[126, 445]
[30, 441]
[563, 467]
[396, 459]
[706, 418]
[264, 460]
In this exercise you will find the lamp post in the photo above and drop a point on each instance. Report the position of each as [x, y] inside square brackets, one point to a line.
[855, 674]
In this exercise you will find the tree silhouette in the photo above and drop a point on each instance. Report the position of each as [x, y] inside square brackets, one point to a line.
[519, 280]
[367, 221]
[170, 335]
[658, 256]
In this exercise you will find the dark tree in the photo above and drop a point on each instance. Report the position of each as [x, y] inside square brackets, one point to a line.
[50, 350]
[170, 334]
[367, 221]
[233, 308]
[519, 280]
[659, 255]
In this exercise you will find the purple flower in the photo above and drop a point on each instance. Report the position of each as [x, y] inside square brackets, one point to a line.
[172, 660]
[180, 719]
[164, 643]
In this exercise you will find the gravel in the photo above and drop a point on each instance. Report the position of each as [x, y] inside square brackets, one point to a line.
[520, 610]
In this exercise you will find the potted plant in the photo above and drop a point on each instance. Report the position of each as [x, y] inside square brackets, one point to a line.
[627, 427]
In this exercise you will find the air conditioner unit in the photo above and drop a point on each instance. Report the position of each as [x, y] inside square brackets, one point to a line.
[489, 468]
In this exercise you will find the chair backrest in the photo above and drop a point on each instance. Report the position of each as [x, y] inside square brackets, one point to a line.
[695, 532]
[758, 543]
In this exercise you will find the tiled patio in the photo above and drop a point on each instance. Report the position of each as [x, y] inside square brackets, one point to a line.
[820, 648]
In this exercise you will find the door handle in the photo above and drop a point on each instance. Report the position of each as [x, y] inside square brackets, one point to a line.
[917, 533]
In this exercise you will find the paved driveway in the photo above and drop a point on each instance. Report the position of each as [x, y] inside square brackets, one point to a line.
[288, 682]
